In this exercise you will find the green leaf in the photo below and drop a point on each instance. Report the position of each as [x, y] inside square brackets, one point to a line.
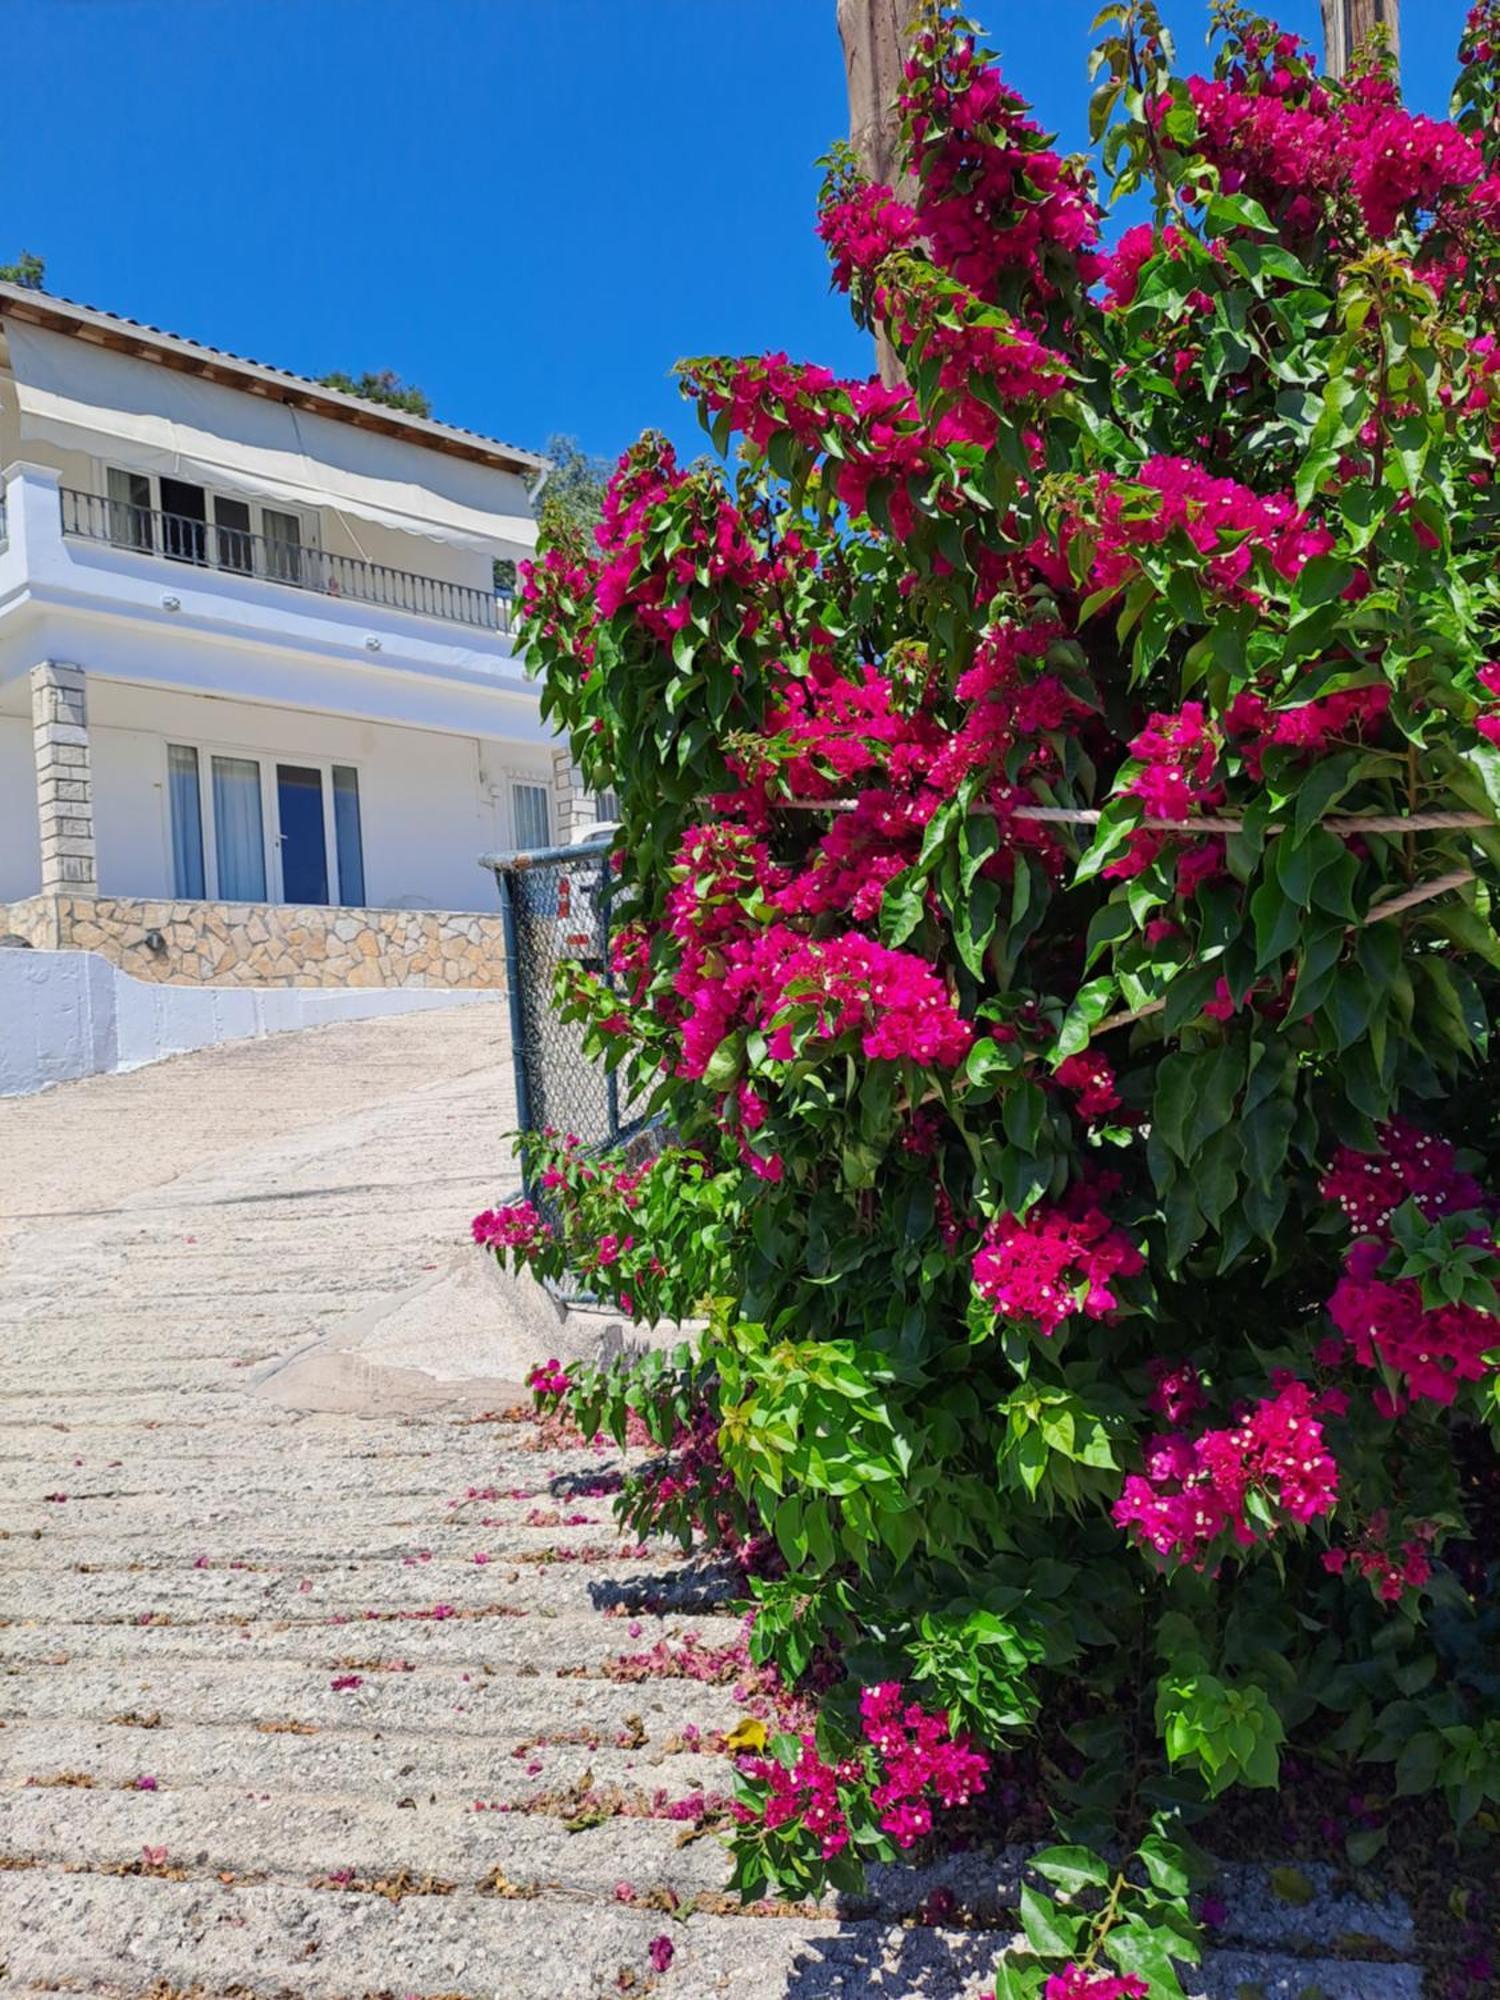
[1323, 787]
[726, 1063]
[1091, 1003]
[1363, 1843]
[1135, 1947]
[1012, 1982]
[1292, 1886]
[1166, 1866]
[1188, 992]
[1072, 1868]
[1050, 1932]
[1418, 1764]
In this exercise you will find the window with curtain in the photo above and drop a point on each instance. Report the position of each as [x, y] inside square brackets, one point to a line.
[283, 545]
[531, 812]
[186, 805]
[346, 835]
[129, 508]
[239, 830]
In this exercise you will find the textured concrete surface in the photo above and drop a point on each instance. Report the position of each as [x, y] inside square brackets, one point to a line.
[71, 1014]
[310, 1672]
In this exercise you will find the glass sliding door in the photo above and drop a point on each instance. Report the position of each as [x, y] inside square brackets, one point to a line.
[283, 544]
[184, 521]
[239, 830]
[129, 508]
[304, 845]
[235, 545]
[186, 806]
[347, 838]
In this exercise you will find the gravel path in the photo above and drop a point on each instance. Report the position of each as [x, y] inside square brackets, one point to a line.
[269, 1725]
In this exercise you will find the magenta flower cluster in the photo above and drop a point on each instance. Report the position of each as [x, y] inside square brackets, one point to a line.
[919, 1755]
[1391, 1566]
[1195, 1491]
[1060, 1260]
[518, 1228]
[997, 206]
[549, 1378]
[1077, 1982]
[913, 1760]
[1384, 1322]
[1275, 132]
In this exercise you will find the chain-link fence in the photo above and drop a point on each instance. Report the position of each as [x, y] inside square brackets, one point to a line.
[555, 911]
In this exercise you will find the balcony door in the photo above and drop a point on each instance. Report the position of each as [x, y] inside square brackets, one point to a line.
[302, 837]
[192, 523]
[184, 521]
[248, 829]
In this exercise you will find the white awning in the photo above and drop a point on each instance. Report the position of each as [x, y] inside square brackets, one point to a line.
[161, 419]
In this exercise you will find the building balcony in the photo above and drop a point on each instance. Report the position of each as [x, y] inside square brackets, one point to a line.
[180, 538]
[154, 597]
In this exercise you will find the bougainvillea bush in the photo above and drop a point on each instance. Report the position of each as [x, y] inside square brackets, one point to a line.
[1058, 792]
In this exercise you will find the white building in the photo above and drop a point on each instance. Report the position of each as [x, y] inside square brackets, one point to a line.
[260, 709]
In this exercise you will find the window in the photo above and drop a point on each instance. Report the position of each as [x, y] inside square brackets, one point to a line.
[184, 517]
[532, 816]
[239, 830]
[129, 509]
[257, 828]
[189, 523]
[347, 842]
[187, 821]
[283, 533]
[606, 807]
[235, 543]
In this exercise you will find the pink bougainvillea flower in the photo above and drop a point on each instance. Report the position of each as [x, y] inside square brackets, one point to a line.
[1075, 1982]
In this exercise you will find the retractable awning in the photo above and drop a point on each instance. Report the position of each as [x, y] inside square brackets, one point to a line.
[158, 419]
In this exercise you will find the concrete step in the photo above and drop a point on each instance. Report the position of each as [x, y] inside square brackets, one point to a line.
[328, 1945]
[346, 1762]
[502, 1707]
[527, 1643]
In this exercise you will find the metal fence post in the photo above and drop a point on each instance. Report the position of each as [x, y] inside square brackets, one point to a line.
[606, 921]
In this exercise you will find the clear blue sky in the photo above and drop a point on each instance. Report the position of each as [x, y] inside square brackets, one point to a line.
[530, 207]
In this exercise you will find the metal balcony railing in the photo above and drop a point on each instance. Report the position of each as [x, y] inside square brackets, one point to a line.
[212, 545]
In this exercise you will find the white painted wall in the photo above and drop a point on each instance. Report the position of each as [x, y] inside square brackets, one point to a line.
[69, 1014]
[430, 803]
[331, 529]
[20, 840]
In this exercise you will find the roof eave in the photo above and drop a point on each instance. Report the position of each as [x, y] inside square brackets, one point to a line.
[103, 329]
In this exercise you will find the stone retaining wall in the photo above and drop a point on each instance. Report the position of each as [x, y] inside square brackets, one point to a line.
[260, 944]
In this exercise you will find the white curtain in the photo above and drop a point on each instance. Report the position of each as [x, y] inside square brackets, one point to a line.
[239, 832]
[187, 822]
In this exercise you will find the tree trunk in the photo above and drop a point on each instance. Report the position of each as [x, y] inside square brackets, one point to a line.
[874, 35]
[1346, 23]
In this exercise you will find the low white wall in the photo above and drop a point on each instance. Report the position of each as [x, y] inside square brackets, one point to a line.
[66, 1014]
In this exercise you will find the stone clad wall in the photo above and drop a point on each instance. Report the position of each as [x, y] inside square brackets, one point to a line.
[259, 944]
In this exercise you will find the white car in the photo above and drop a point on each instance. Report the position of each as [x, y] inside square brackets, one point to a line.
[581, 931]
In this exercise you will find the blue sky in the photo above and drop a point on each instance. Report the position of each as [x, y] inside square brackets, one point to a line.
[530, 207]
